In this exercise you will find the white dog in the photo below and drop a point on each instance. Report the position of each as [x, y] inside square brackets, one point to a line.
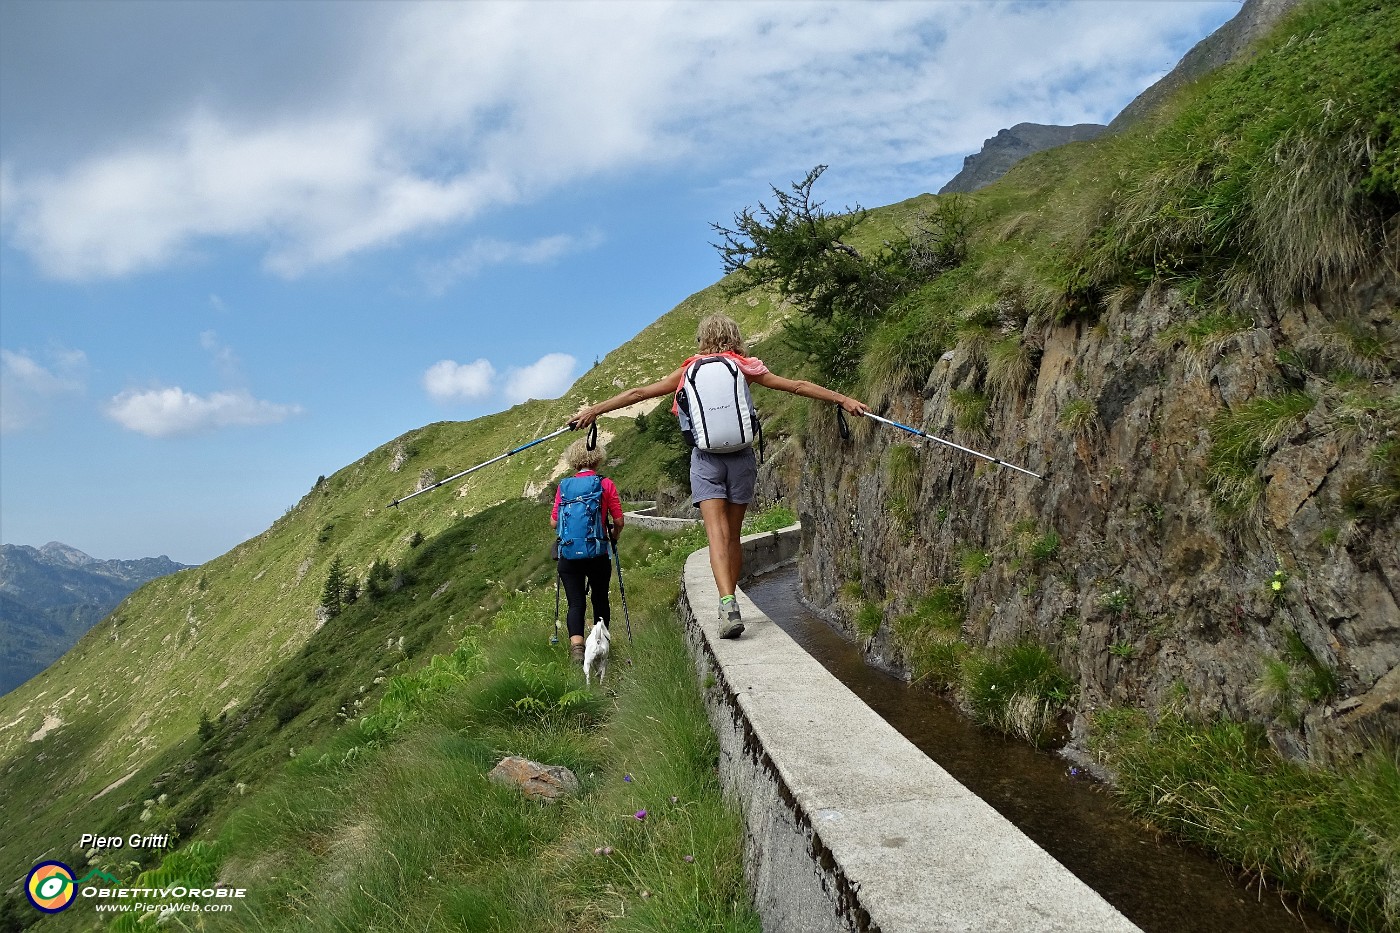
[595, 652]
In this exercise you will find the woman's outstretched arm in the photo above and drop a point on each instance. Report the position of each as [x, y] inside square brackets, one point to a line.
[811, 390]
[589, 413]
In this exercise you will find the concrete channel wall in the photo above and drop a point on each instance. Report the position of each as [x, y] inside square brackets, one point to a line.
[647, 518]
[849, 826]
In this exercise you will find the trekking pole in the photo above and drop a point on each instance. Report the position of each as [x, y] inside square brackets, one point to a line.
[554, 639]
[966, 450]
[509, 453]
[622, 589]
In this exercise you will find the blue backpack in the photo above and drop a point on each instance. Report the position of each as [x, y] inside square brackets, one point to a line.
[581, 532]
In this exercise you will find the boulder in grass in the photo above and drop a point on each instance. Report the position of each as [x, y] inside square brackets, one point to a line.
[543, 782]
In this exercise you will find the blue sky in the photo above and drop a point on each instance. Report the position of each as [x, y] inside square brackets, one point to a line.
[242, 243]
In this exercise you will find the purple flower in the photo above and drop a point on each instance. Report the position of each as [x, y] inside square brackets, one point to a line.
[640, 815]
[689, 859]
[627, 778]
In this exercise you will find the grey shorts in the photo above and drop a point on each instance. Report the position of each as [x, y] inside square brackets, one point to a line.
[723, 476]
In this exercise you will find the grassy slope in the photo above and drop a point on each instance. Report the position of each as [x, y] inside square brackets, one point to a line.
[389, 823]
[203, 640]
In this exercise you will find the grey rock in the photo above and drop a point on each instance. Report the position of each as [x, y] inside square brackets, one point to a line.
[539, 781]
[1007, 147]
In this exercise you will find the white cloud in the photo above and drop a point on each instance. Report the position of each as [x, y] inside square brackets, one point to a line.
[449, 381]
[486, 251]
[442, 112]
[169, 412]
[27, 386]
[548, 377]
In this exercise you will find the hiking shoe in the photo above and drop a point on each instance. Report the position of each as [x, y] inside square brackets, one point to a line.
[731, 625]
[576, 654]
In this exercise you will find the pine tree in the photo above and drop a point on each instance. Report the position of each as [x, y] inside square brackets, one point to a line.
[333, 594]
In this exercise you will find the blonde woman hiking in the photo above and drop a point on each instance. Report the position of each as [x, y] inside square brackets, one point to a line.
[712, 401]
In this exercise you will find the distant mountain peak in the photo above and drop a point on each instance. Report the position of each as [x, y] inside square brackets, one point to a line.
[59, 553]
[1010, 146]
[50, 596]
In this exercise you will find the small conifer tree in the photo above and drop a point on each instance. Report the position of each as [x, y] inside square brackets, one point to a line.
[333, 594]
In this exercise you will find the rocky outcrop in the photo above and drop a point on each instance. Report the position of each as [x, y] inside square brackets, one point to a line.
[1008, 147]
[1150, 594]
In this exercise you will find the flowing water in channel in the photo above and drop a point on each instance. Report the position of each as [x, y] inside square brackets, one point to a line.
[1159, 885]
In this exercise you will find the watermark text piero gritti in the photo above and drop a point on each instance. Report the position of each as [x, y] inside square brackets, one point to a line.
[134, 841]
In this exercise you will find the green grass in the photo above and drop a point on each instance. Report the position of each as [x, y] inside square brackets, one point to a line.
[970, 412]
[1018, 689]
[1011, 362]
[869, 620]
[972, 563]
[1375, 494]
[929, 636]
[1045, 548]
[1329, 835]
[1079, 417]
[1241, 438]
[390, 822]
[1275, 173]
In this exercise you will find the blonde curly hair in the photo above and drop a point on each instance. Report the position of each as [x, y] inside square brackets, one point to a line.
[718, 333]
[579, 457]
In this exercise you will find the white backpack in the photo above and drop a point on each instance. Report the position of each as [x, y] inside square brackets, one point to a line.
[716, 410]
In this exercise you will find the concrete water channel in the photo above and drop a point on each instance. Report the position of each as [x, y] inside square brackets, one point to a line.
[1158, 885]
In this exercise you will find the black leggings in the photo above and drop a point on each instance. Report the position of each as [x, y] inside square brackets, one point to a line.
[596, 572]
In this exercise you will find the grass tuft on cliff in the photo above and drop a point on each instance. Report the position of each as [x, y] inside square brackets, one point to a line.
[1331, 835]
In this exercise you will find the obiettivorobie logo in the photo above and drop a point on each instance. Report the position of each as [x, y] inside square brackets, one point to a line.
[51, 888]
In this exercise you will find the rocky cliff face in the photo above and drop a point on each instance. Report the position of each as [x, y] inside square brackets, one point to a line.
[1151, 594]
[1008, 147]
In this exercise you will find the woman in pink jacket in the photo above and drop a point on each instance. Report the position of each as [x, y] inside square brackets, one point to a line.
[578, 576]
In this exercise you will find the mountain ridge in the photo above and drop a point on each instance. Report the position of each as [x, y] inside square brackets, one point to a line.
[1229, 43]
[53, 594]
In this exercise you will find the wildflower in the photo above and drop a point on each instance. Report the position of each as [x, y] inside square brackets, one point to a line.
[675, 799]
[689, 859]
[627, 778]
[639, 815]
[1277, 585]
